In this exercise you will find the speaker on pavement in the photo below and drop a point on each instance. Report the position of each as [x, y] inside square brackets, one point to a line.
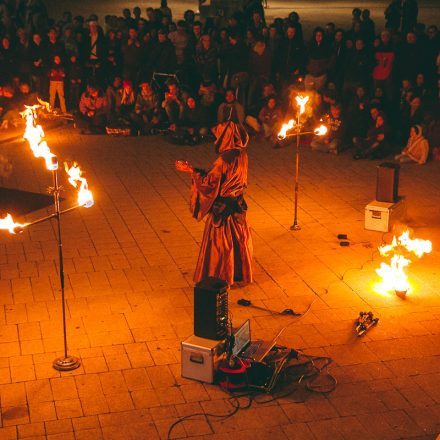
[211, 309]
[387, 183]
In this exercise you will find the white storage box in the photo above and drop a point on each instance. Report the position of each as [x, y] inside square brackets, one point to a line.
[200, 358]
[380, 216]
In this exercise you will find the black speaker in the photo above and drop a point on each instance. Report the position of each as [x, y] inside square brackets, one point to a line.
[211, 309]
[387, 183]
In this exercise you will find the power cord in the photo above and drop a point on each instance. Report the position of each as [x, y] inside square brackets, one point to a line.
[307, 377]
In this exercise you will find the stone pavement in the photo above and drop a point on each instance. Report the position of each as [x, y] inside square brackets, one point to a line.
[129, 263]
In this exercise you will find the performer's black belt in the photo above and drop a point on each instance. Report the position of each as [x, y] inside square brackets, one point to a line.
[226, 206]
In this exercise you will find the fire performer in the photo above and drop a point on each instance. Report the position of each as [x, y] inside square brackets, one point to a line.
[226, 249]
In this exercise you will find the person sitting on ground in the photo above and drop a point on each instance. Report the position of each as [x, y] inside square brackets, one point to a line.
[147, 108]
[332, 141]
[376, 144]
[192, 123]
[358, 114]
[230, 109]
[270, 117]
[173, 102]
[416, 149]
[113, 90]
[125, 103]
[209, 96]
[93, 108]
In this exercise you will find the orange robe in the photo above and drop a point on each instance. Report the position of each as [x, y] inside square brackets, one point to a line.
[226, 249]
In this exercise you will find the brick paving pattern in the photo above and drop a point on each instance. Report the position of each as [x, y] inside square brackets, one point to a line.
[129, 263]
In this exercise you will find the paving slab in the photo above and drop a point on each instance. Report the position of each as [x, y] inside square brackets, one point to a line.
[129, 262]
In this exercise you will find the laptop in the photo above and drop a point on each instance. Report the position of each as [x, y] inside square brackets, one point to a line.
[244, 348]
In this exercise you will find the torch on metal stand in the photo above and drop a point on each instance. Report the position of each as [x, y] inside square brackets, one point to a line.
[296, 226]
[294, 128]
[34, 134]
[66, 362]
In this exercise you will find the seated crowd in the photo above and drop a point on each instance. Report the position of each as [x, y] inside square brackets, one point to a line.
[377, 92]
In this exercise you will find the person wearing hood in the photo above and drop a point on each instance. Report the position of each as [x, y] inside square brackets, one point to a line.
[226, 248]
[416, 149]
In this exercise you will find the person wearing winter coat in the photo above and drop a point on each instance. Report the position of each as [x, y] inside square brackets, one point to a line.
[416, 149]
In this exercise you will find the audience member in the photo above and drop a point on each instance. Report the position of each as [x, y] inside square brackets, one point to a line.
[416, 149]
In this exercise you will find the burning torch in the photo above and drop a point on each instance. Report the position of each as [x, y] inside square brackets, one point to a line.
[293, 128]
[34, 134]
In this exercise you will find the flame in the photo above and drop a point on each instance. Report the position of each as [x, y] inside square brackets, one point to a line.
[285, 128]
[321, 130]
[393, 275]
[85, 196]
[8, 223]
[44, 105]
[301, 102]
[34, 134]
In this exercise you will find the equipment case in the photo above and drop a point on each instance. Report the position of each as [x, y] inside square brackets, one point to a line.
[200, 358]
[380, 216]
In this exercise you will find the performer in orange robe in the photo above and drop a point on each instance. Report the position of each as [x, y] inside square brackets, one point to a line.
[226, 249]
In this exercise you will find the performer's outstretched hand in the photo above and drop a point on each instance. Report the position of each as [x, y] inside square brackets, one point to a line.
[184, 166]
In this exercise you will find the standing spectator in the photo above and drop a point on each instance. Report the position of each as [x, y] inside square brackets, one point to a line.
[8, 59]
[113, 91]
[237, 65]
[129, 21]
[38, 67]
[53, 46]
[95, 51]
[24, 55]
[75, 75]
[411, 58]
[166, 11]
[384, 57]
[319, 61]
[357, 70]
[293, 54]
[275, 45]
[393, 14]
[163, 56]
[259, 69]
[340, 58]
[410, 11]
[206, 58]
[56, 83]
[368, 27]
[132, 56]
[180, 40]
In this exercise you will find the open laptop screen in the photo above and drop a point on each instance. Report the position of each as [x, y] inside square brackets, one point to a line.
[242, 337]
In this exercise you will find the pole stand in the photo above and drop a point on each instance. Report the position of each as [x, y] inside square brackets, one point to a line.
[295, 227]
[68, 363]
